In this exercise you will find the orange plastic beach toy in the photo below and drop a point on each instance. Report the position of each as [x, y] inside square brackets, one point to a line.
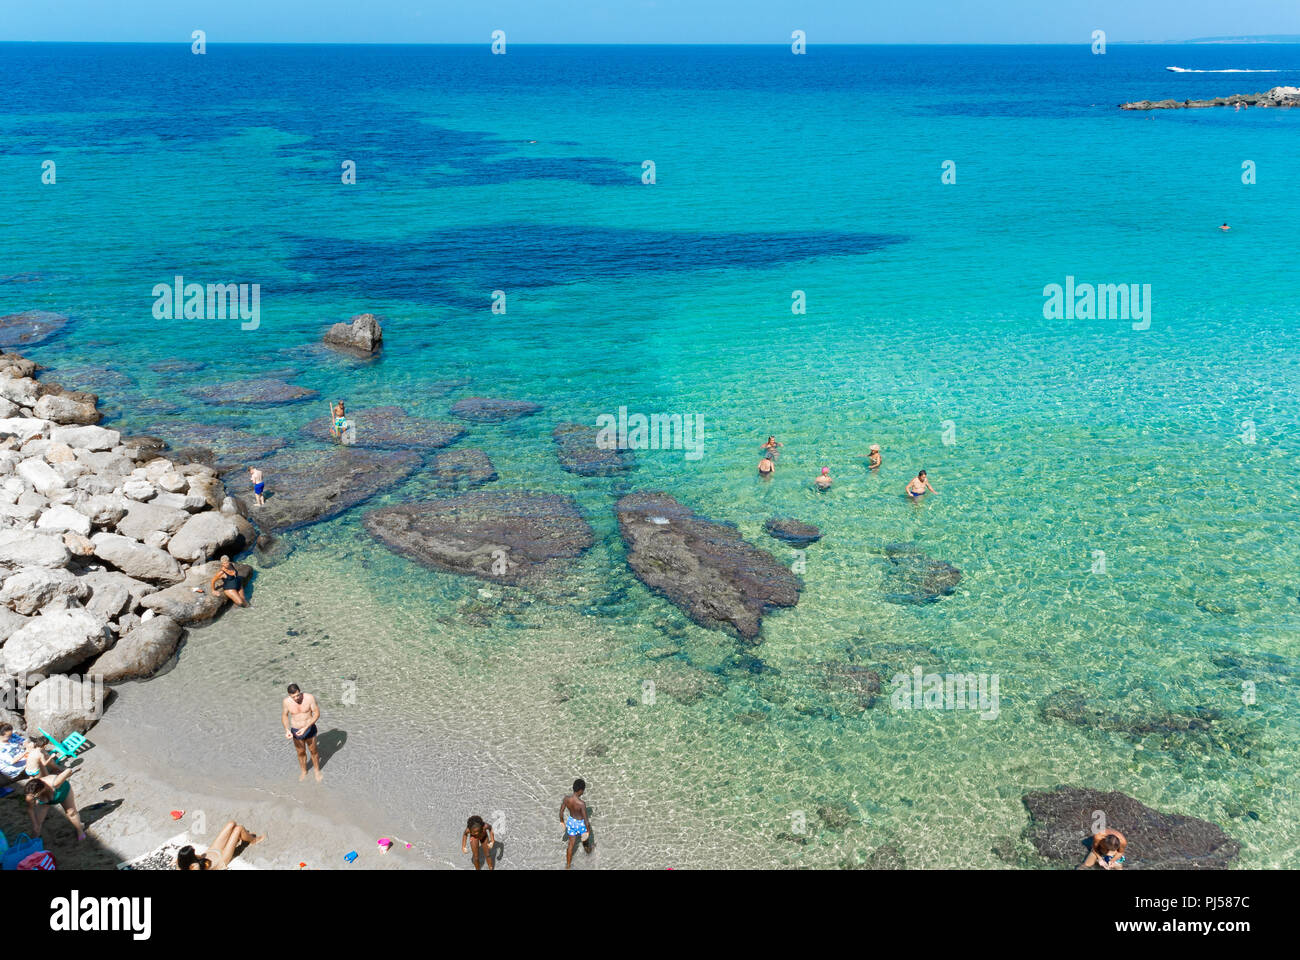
[177, 814]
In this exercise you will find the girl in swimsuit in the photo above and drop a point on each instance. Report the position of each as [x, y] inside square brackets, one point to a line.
[481, 839]
[52, 790]
[222, 850]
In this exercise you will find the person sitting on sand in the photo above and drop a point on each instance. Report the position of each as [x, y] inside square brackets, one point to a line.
[36, 761]
[823, 482]
[771, 447]
[481, 841]
[873, 458]
[222, 850]
[918, 486]
[13, 752]
[299, 715]
[576, 820]
[52, 790]
[258, 479]
[766, 466]
[1107, 850]
[229, 582]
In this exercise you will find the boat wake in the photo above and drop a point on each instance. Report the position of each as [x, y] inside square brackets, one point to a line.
[1190, 70]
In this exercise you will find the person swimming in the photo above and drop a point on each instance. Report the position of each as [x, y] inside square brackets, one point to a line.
[919, 486]
[765, 466]
[873, 458]
[823, 482]
[1225, 228]
[771, 447]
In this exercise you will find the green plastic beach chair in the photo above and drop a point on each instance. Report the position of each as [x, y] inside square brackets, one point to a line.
[66, 749]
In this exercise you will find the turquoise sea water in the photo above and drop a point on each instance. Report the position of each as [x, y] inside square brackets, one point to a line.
[1171, 449]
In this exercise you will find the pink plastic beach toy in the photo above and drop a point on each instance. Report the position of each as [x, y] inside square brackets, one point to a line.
[384, 844]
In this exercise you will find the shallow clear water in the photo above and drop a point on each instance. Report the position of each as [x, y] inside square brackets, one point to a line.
[774, 174]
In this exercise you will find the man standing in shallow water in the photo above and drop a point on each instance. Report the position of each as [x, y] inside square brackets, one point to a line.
[299, 718]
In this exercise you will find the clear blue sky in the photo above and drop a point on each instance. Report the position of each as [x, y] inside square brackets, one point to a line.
[630, 21]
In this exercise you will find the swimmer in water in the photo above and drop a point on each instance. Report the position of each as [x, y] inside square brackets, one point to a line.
[765, 466]
[919, 486]
[824, 481]
[1225, 228]
[873, 458]
[1107, 851]
[771, 447]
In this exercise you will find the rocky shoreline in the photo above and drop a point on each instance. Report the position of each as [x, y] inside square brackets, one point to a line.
[106, 552]
[1276, 97]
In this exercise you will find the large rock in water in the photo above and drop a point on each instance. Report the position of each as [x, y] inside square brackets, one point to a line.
[362, 336]
[61, 706]
[30, 327]
[488, 410]
[705, 568]
[229, 445]
[53, 642]
[305, 486]
[261, 393]
[140, 654]
[794, 532]
[390, 428]
[1061, 821]
[505, 536]
[579, 452]
[462, 468]
[914, 577]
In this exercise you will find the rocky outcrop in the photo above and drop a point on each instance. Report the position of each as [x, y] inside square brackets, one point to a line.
[1276, 97]
[488, 410]
[138, 560]
[259, 393]
[507, 536]
[55, 641]
[1061, 823]
[390, 428]
[192, 601]
[793, 532]
[579, 452]
[362, 336]
[64, 705]
[231, 446]
[458, 469]
[914, 578]
[208, 535]
[141, 653]
[706, 569]
[306, 486]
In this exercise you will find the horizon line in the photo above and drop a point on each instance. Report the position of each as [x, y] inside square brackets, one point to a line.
[1244, 41]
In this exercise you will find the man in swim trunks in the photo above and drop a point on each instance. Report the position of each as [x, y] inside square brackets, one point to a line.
[918, 486]
[766, 466]
[229, 582]
[299, 718]
[577, 823]
[259, 485]
[340, 422]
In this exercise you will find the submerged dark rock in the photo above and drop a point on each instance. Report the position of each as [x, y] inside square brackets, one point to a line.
[260, 392]
[390, 428]
[488, 410]
[1134, 712]
[30, 327]
[1061, 822]
[706, 569]
[579, 453]
[792, 531]
[916, 578]
[507, 536]
[230, 445]
[462, 468]
[306, 486]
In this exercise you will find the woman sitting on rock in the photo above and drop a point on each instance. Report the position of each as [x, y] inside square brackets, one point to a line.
[229, 582]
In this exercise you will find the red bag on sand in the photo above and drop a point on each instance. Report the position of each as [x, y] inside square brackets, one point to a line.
[42, 860]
